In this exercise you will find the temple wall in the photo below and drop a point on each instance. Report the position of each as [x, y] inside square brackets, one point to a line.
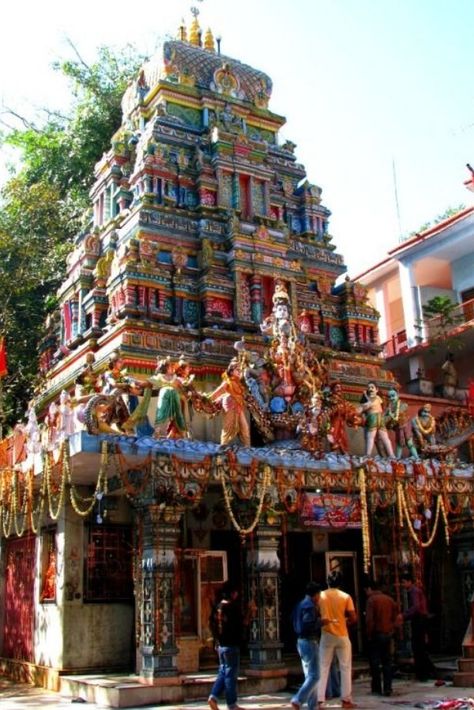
[462, 274]
[93, 634]
[98, 635]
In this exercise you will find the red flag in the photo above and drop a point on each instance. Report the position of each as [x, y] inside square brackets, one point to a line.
[3, 357]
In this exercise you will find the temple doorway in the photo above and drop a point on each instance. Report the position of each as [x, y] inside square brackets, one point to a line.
[18, 624]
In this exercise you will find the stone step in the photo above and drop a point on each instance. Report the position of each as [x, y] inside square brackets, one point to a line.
[468, 650]
[131, 691]
[466, 664]
[464, 679]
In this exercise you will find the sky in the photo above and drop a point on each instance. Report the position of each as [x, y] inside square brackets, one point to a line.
[378, 94]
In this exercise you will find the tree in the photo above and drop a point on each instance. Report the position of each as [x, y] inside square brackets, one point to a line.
[42, 204]
[443, 316]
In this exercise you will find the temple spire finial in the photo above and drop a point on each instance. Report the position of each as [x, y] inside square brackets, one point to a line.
[182, 34]
[209, 41]
[195, 31]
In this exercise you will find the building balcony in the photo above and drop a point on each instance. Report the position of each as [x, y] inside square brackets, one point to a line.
[418, 367]
[461, 319]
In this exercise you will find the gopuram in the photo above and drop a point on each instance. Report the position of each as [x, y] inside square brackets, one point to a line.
[212, 405]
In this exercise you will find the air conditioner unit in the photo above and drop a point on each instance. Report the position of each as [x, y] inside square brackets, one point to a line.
[214, 566]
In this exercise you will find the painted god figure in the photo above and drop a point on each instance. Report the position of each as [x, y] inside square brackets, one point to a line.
[231, 394]
[372, 407]
[396, 419]
[170, 420]
[424, 427]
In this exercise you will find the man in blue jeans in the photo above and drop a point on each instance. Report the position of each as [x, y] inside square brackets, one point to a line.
[226, 626]
[307, 624]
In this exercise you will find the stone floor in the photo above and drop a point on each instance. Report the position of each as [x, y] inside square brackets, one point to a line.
[408, 694]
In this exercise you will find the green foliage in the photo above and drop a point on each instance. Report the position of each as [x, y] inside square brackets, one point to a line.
[41, 205]
[449, 212]
[443, 315]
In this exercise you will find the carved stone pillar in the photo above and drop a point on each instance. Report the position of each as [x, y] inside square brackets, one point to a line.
[264, 594]
[158, 648]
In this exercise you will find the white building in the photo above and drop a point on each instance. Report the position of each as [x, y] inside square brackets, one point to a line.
[436, 262]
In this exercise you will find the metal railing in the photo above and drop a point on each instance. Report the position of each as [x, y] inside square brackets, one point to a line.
[461, 315]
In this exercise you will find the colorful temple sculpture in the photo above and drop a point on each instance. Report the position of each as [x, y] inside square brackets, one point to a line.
[205, 391]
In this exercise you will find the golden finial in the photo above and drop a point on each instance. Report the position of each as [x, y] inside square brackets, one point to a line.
[182, 34]
[209, 41]
[195, 32]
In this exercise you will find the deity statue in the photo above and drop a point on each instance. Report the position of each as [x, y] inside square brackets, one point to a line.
[87, 381]
[48, 592]
[304, 322]
[341, 414]
[312, 427]
[254, 373]
[396, 420]
[32, 431]
[104, 266]
[450, 376]
[280, 323]
[231, 394]
[50, 433]
[117, 385]
[372, 407]
[66, 425]
[424, 427]
[170, 420]
[117, 410]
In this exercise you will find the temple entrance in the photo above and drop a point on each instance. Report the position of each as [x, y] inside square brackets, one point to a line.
[310, 556]
[202, 574]
[346, 564]
[18, 627]
[295, 561]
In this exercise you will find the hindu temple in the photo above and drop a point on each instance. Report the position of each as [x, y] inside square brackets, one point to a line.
[213, 406]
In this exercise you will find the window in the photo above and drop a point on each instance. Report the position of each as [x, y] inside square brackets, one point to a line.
[108, 564]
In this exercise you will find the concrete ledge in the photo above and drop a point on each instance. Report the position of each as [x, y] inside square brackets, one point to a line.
[464, 680]
[30, 673]
[122, 692]
[131, 691]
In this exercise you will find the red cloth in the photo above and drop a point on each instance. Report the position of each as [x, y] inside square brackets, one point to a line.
[3, 357]
[470, 396]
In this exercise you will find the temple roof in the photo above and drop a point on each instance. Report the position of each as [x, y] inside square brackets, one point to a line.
[181, 62]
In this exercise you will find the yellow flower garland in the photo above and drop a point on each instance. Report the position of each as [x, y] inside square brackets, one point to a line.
[404, 514]
[243, 532]
[364, 516]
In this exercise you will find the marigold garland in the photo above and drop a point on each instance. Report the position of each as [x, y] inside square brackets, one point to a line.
[243, 532]
[364, 516]
[404, 515]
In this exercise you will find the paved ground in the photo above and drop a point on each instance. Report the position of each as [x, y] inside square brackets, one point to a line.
[407, 695]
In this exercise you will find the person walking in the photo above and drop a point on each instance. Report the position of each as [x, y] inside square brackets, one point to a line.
[380, 618]
[417, 614]
[307, 624]
[227, 625]
[338, 608]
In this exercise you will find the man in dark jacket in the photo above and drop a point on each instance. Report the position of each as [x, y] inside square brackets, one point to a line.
[227, 626]
[417, 614]
[307, 624]
[380, 619]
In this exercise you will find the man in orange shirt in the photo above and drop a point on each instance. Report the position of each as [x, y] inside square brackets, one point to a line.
[338, 607]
